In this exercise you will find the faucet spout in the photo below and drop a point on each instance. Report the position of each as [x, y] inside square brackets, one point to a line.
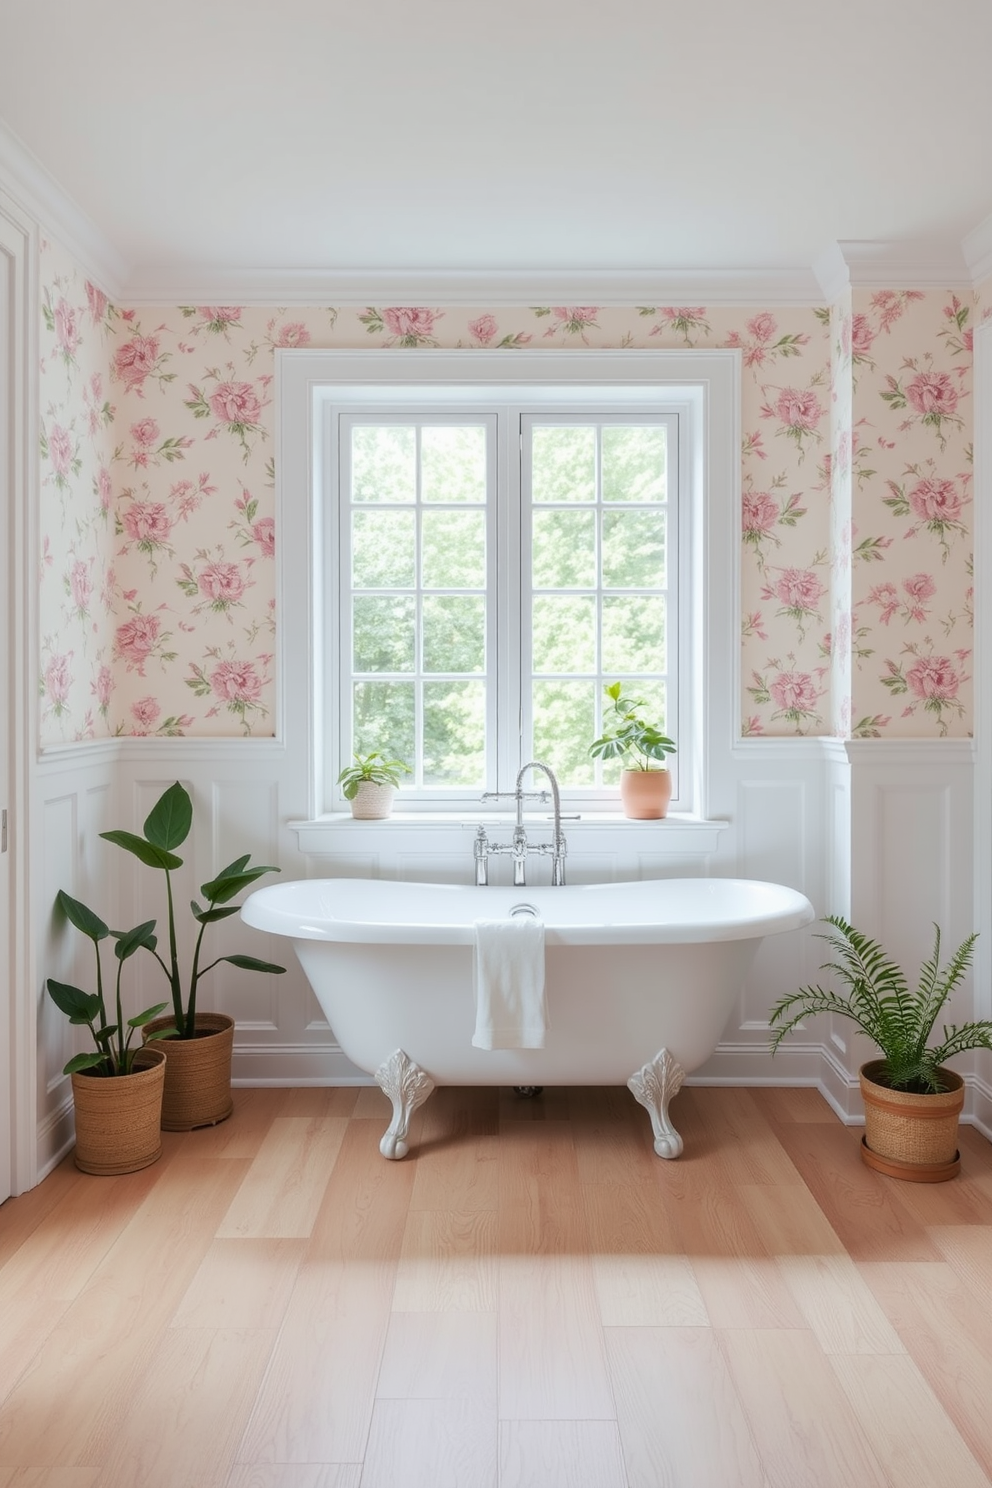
[558, 844]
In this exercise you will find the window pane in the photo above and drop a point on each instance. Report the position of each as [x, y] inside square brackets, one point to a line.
[384, 633]
[385, 719]
[383, 463]
[564, 549]
[564, 727]
[454, 633]
[634, 463]
[633, 550]
[564, 633]
[564, 463]
[383, 550]
[634, 634]
[453, 548]
[454, 733]
[453, 463]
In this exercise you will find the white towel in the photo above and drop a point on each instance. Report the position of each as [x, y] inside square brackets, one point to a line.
[510, 1010]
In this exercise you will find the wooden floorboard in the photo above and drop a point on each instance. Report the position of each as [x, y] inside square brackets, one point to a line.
[531, 1299]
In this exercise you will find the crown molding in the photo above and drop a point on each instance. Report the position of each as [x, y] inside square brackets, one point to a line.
[977, 246]
[864, 263]
[475, 288]
[29, 183]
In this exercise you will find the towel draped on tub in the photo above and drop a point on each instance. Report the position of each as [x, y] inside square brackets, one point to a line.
[510, 1008]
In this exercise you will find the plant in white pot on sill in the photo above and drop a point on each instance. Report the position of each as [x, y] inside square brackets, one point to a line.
[645, 782]
[912, 1100]
[370, 784]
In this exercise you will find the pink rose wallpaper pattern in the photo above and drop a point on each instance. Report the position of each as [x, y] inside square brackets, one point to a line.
[158, 530]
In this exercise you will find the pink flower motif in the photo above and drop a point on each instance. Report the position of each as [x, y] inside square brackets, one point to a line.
[236, 682]
[936, 500]
[145, 432]
[135, 360]
[66, 329]
[862, 335]
[222, 583]
[934, 679]
[104, 488]
[60, 450]
[483, 329]
[80, 586]
[920, 587]
[264, 533]
[147, 522]
[799, 589]
[794, 692]
[58, 680]
[103, 687]
[221, 314]
[146, 712]
[932, 393]
[135, 640]
[97, 301]
[401, 320]
[235, 403]
[762, 327]
[799, 409]
[887, 598]
[294, 333]
[760, 513]
[670, 312]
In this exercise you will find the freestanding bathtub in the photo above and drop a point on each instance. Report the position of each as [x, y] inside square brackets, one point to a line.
[640, 979]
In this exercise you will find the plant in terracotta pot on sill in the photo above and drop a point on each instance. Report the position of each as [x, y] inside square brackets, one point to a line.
[116, 1089]
[645, 782]
[370, 784]
[912, 1100]
[198, 1077]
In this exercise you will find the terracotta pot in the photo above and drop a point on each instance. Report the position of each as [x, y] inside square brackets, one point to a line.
[372, 802]
[197, 1073]
[911, 1136]
[645, 793]
[118, 1119]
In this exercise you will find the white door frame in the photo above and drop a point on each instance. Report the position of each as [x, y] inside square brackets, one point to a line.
[18, 535]
[983, 661]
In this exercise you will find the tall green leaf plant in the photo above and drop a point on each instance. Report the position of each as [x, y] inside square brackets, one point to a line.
[166, 828]
[899, 1019]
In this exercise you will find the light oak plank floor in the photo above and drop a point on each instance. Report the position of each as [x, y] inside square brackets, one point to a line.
[530, 1300]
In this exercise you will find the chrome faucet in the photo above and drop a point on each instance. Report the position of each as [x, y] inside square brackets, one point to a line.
[519, 846]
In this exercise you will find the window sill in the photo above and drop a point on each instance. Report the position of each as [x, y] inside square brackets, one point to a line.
[678, 834]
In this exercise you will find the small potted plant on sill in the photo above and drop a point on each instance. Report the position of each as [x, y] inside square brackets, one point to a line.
[912, 1101]
[198, 1077]
[645, 782]
[116, 1089]
[370, 784]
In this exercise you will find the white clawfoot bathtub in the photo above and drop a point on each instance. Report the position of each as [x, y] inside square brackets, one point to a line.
[639, 977]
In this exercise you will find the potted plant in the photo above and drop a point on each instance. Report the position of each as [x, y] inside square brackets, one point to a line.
[645, 784]
[198, 1077]
[116, 1089]
[370, 785]
[912, 1101]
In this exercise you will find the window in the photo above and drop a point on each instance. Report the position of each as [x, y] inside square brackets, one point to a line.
[491, 539]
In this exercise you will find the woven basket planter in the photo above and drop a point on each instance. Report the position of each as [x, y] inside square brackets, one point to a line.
[119, 1119]
[372, 801]
[911, 1136]
[197, 1073]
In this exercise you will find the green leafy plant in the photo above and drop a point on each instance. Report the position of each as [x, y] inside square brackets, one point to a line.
[166, 828]
[897, 1018]
[113, 1054]
[629, 737]
[373, 767]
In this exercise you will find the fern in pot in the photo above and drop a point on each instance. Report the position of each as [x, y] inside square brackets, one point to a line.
[198, 1076]
[912, 1099]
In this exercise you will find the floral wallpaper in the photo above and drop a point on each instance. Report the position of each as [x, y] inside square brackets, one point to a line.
[158, 573]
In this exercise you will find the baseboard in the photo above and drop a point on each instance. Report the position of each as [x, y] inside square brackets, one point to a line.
[301, 1064]
[56, 1138]
[752, 1064]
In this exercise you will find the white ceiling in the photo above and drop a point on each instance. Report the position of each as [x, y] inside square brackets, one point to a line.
[529, 135]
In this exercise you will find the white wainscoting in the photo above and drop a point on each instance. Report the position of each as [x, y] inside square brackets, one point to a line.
[881, 832]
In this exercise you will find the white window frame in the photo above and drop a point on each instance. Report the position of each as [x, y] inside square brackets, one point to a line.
[702, 386]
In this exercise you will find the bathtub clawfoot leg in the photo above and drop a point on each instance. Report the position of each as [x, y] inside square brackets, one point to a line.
[654, 1086]
[408, 1087]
